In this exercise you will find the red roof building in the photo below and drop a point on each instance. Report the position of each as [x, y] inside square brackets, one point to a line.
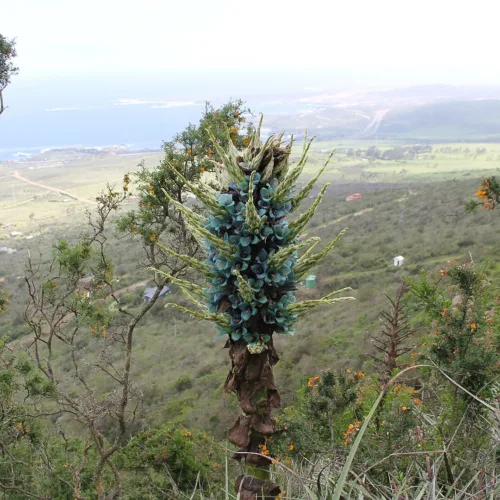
[355, 196]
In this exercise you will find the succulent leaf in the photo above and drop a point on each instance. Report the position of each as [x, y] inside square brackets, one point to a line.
[304, 192]
[298, 224]
[306, 262]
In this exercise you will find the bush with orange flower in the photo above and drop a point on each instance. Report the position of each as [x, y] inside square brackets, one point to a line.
[488, 193]
[459, 308]
[323, 408]
[193, 154]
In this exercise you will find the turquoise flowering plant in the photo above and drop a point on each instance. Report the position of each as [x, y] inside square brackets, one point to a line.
[252, 264]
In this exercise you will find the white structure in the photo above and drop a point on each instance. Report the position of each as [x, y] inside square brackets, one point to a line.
[398, 261]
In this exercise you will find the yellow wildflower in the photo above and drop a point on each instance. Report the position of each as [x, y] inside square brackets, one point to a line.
[263, 449]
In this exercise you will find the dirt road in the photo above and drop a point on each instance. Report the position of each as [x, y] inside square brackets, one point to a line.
[373, 126]
[130, 288]
[17, 175]
[340, 219]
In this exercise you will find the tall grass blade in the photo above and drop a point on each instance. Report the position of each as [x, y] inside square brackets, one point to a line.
[337, 494]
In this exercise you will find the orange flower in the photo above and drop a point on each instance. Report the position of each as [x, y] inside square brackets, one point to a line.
[481, 193]
[152, 237]
[418, 401]
[263, 449]
[473, 326]
[246, 141]
[312, 381]
[359, 374]
[404, 408]
[291, 447]
[202, 170]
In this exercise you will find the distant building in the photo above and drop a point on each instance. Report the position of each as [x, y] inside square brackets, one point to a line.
[311, 281]
[85, 285]
[398, 261]
[86, 282]
[355, 196]
[7, 250]
[149, 293]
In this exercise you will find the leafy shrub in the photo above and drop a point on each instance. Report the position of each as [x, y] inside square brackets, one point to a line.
[171, 455]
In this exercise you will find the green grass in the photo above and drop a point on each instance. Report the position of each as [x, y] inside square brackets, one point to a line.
[84, 178]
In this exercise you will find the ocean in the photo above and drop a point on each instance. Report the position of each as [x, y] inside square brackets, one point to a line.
[48, 114]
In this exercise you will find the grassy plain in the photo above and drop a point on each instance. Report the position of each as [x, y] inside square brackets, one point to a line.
[83, 178]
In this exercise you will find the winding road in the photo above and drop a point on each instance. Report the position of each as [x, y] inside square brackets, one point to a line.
[373, 126]
[18, 176]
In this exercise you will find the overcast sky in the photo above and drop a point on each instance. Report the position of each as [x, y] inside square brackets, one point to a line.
[427, 40]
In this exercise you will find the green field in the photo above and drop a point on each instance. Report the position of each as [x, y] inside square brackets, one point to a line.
[440, 165]
[85, 177]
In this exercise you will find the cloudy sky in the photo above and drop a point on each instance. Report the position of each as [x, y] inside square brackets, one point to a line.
[428, 41]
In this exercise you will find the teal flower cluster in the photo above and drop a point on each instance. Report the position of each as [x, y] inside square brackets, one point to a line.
[253, 264]
[271, 283]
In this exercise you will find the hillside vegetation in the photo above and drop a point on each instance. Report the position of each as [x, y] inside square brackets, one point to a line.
[422, 220]
[347, 411]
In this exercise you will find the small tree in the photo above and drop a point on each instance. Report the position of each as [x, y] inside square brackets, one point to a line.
[7, 67]
[74, 310]
[251, 273]
[391, 342]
